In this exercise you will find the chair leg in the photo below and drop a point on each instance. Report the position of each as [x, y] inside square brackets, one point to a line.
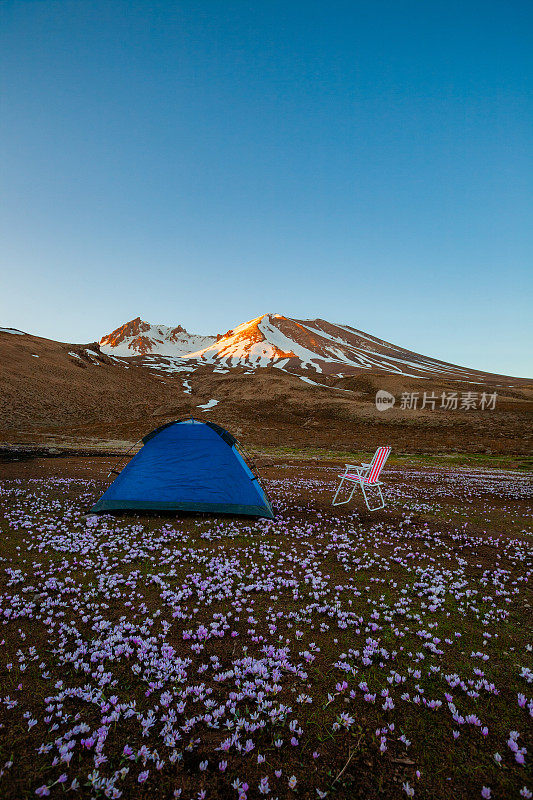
[342, 502]
[382, 499]
[337, 493]
[380, 505]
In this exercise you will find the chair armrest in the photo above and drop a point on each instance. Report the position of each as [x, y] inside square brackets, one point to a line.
[357, 468]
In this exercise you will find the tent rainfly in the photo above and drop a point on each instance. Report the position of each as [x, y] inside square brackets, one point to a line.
[187, 465]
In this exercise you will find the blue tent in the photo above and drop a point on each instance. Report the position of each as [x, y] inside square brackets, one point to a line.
[187, 465]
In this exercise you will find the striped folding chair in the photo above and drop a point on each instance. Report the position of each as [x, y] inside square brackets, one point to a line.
[367, 477]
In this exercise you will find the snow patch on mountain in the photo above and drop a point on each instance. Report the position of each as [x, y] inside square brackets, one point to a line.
[244, 345]
[323, 385]
[274, 335]
[210, 404]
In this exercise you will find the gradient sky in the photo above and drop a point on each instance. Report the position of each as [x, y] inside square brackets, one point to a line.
[204, 162]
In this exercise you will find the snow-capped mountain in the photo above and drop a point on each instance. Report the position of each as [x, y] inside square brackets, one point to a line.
[139, 338]
[317, 345]
[274, 340]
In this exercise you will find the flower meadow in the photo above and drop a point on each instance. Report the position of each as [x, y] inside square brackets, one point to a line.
[325, 653]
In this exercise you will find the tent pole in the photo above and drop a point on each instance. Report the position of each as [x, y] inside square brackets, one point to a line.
[121, 458]
[253, 466]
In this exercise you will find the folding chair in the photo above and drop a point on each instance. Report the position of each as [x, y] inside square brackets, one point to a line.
[367, 476]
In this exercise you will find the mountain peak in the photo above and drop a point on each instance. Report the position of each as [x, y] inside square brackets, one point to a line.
[140, 338]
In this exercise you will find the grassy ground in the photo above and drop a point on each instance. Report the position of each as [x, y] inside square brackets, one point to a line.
[75, 446]
[329, 652]
[479, 460]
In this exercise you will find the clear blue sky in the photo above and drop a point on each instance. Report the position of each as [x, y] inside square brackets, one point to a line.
[202, 162]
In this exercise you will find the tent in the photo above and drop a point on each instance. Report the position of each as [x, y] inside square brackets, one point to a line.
[188, 465]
